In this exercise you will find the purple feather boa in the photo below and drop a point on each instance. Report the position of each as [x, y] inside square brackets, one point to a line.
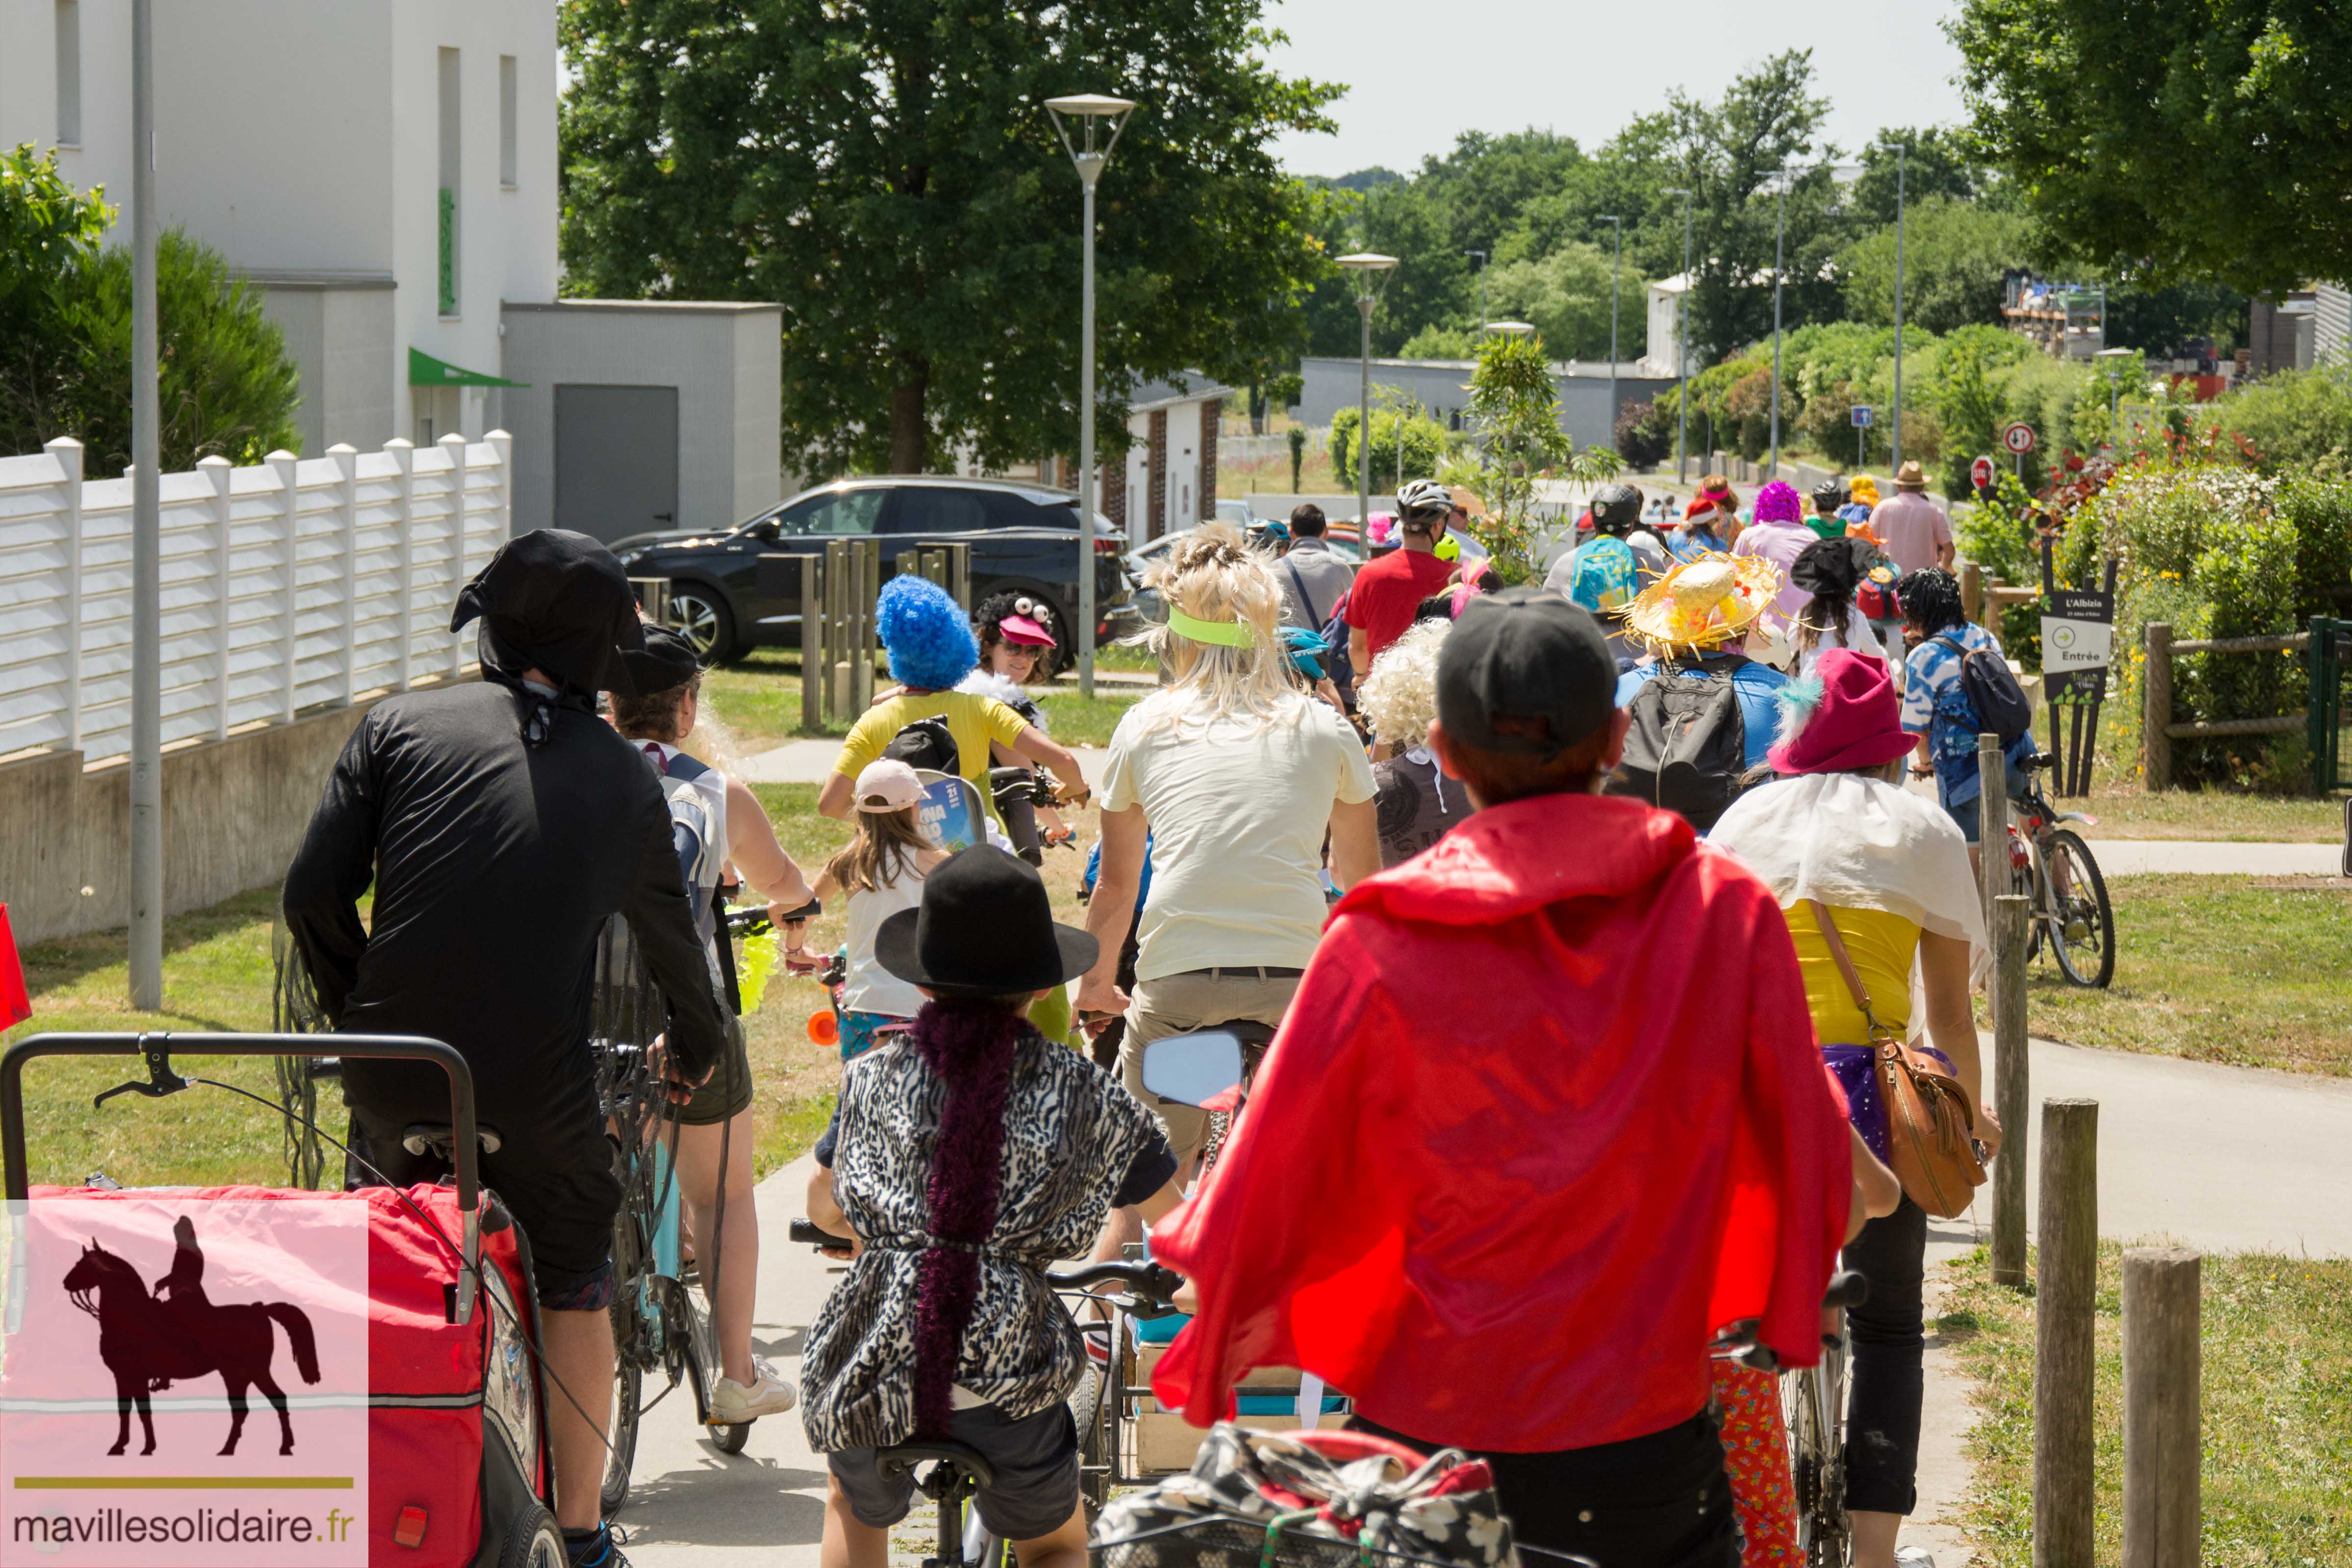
[970, 1044]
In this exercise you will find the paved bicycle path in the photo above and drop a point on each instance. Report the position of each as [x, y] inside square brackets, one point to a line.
[2218, 1157]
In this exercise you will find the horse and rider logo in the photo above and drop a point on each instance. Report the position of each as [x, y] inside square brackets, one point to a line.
[150, 1340]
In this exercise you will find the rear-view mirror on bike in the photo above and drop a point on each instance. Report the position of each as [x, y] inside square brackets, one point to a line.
[1193, 1069]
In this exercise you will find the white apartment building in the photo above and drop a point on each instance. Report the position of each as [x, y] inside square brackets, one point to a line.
[385, 171]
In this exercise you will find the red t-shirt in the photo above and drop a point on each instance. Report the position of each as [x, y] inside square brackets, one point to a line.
[1386, 592]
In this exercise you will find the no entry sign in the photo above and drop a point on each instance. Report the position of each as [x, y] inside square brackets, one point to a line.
[2018, 436]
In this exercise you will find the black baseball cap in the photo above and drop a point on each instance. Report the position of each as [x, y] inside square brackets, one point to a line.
[1525, 653]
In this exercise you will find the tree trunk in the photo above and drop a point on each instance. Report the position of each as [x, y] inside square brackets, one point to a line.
[909, 431]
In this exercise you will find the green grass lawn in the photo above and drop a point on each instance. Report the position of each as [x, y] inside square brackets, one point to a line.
[2126, 811]
[2219, 969]
[2276, 1419]
[754, 703]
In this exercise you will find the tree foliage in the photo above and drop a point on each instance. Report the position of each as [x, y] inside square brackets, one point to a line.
[889, 176]
[225, 385]
[1513, 417]
[1566, 296]
[2172, 140]
[1956, 255]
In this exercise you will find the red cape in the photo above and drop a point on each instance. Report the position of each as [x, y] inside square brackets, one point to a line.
[1547, 1112]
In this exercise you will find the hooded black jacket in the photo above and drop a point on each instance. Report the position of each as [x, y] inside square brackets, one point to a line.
[495, 863]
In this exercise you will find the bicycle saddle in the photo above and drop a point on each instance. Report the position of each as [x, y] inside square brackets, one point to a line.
[435, 1137]
[960, 1461]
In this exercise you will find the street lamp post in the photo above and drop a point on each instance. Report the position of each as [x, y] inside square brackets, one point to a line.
[1894, 428]
[1091, 108]
[1779, 247]
[1682, 352]
[1482, 288]
[1616, 269]
[146, 956]
[2114, 386]
[1370, 270]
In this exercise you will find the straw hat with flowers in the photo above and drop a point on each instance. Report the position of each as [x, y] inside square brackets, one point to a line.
[1703, 602]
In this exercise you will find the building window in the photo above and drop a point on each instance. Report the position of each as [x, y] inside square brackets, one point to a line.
[507, 121]
[69, 73]
[448, 257]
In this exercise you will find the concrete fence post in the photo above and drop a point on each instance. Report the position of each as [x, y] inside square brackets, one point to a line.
[347, 458]
[2010, 1086]
[68, 452]
[403, 452]
[289, 517]
[2155, 707]
[216, 470]
[2066, 1288]
[2163, 1373]
[455, 445]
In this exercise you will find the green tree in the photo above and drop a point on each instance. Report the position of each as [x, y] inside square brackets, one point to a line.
[1487, 181]
[888, 174]
[225, 385]
[1565, 295]
[1965, 392]
[1938, 163]
[2171, 140]
[1425, 444]
[1513, 417]
[1956, 255]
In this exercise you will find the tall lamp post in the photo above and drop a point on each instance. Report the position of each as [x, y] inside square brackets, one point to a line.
[2113, 358]
[1370, 272]
[1895, 427]
[146, 539]
[1482, 288]
[1093, 109]
[1779, 252]
[1682, 352]
[1616, 271]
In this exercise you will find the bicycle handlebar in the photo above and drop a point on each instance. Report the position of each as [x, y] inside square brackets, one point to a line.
[1151, 1284]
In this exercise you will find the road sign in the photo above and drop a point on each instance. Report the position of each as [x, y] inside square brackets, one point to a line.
[2017, 437]
[1862, 416]
[1980, 473]
[2077, 630]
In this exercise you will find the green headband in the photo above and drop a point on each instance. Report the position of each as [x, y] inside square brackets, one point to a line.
[1230, 634]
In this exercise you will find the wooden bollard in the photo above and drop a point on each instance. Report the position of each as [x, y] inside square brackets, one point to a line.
[2163, 1506]
[1992, 820]
[2066, 1288]
[2155, 707]
[2010, 1085]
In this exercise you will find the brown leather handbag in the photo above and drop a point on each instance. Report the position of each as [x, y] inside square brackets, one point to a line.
[1930, 1125]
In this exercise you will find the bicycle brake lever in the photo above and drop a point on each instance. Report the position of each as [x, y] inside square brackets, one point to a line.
[161, 1079]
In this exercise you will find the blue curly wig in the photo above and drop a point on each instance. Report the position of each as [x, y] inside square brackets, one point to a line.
[927, 635]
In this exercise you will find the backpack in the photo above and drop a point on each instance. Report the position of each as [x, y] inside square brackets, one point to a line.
[927, 745]
[2000, 704]
[1686, 749]
[1338, 662]
[1605, 577]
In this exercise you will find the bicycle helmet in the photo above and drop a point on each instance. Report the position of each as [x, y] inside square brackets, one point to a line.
[1423, 496]
[1306, 649]
[1828, 496]
[1616, 508]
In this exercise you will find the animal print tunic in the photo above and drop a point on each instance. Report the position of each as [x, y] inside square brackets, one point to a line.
[1071, 1134]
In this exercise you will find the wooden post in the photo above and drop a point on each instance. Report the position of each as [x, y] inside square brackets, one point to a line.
[2156, 708]
[867, 576]
[1992, 820]
[839, 586]
[2010, 1085]
[2163, 1506]
[813, 660]
[2067, 1286]
[1972, 589]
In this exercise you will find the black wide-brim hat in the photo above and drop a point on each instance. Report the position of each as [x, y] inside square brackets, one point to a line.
[985, 928]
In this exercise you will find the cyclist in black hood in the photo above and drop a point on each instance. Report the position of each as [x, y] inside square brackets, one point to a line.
[501, 822]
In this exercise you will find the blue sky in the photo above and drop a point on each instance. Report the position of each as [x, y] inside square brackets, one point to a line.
[1420, 72]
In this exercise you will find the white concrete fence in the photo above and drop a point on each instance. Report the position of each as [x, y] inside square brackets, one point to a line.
[292, 585]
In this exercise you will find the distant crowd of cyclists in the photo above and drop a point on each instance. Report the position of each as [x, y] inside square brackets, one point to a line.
[1582, 909]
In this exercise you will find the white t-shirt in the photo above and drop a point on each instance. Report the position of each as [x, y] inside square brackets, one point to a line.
[1859, 636]
[869, 987]
[1237, 815]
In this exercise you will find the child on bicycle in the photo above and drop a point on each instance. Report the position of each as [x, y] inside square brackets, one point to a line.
[881, 869]
[944, 1326]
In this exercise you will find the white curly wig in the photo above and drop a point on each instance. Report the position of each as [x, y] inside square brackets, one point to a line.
[1399, 698]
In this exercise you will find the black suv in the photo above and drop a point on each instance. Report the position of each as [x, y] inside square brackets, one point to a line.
[1022, 538]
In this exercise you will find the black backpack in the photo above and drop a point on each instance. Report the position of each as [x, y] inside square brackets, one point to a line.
[1992, 691]
[1687, 746]
[925, 744]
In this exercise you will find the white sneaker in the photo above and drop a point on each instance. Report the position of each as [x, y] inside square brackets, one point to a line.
[1914, 1557]
[733, 1404]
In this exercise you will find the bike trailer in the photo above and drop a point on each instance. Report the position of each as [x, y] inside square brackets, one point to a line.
[457, 1465]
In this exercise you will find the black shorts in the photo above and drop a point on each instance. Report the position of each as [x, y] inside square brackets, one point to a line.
[1036, 1458]
[553, 1173]
[728, 1090]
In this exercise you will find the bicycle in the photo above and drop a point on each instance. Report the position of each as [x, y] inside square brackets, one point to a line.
[957, 1472]
[1812, 1404]
[2053, 866]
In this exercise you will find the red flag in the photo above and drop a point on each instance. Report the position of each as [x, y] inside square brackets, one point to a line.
[16, 1006]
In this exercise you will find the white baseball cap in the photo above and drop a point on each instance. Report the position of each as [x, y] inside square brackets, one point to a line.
[887, 785]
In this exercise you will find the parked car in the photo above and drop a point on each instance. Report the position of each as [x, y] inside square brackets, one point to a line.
[1022, 537]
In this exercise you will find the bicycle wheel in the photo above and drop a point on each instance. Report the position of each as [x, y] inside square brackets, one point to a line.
[2084, 933]
[1088, 1414]
[628, 1396]
[1810, 1402]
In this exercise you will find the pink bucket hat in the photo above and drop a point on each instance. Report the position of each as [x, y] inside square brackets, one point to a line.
[1843, 717]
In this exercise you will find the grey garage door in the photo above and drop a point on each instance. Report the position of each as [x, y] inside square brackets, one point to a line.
[615, 459]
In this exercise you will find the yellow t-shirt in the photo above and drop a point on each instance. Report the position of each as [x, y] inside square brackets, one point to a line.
[974, 720]
[1880, 945]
